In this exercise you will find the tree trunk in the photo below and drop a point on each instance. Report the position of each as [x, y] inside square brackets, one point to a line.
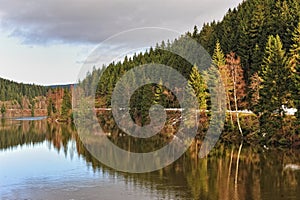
[235, 100]
[229, 109]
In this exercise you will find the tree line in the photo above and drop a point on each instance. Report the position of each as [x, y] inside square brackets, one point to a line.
[27, 96]
[10, 90]
[256, 48]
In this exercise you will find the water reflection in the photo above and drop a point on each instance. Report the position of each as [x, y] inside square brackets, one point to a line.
[256, 173]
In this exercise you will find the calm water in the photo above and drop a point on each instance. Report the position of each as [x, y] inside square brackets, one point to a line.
[41, 160]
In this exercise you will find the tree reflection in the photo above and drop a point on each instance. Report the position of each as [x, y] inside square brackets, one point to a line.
[258, 174]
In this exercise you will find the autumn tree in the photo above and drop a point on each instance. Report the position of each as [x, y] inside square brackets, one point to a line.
[255, 82]
[218, 59]
[233, 64]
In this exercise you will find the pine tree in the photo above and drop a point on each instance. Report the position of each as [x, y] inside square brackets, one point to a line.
[257, 58]
[256, 25]
[218, 59]
[3, 109]
[50, 107]
[195, 33]
[287, 25]
[66, 105]
[207, 37]
[158, 90]
[274, 75]
[244, 49]
[32, 107]
[255, 82]
[294, 66]
[197, 83]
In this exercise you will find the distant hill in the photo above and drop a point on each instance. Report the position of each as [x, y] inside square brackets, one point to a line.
[19, 100]
[10, 90]
[65, 86]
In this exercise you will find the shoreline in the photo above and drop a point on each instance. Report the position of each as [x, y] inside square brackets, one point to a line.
[14, 113]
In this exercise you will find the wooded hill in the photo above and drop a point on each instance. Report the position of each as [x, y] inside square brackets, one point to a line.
[19, 99]
[10, 90]
[256, 48]
[245, 30]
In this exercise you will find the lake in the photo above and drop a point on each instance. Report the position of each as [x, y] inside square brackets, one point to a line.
[42, 160]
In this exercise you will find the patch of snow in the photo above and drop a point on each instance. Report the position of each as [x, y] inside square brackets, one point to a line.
[292, 167]
[289, 111]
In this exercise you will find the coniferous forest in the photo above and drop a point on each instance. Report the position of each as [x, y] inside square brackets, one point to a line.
[10, 90]
[256, 48]
[212, 113]
[18, 99]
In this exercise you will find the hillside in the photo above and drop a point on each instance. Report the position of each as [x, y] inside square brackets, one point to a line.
[10, 90]
[23, 100]
[256, 48]
[245, 30]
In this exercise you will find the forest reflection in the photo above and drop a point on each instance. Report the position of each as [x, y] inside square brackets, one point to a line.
[259, 173]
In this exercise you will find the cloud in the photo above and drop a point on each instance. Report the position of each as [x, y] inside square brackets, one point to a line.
[92, 21]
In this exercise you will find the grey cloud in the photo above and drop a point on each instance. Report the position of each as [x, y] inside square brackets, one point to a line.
[92, 21]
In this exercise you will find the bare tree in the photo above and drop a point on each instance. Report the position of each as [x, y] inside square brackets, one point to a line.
[233, 63]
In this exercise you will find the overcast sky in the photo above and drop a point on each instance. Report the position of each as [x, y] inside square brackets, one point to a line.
[46, 41]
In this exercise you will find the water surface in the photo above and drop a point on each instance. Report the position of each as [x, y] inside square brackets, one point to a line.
[42, 160]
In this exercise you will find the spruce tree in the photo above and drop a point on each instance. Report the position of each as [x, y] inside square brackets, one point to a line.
[218, 57]
[50, 107]
[32, 108]
[294, 66]
[158, 90]
[274, 76]
[196, 81]
[3, 109]
[256, 60]
[66, 104]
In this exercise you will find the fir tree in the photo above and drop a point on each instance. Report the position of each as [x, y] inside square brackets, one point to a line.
[50, 107]
[32, 107]
[158, 90]
[197, 83]
[3, 109]
[218, 57]
[273, 91]
[66, 105]
[294, 66]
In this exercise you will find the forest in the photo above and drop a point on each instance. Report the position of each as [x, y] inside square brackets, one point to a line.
[256, 48]
[10, 90]
[24, 100]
